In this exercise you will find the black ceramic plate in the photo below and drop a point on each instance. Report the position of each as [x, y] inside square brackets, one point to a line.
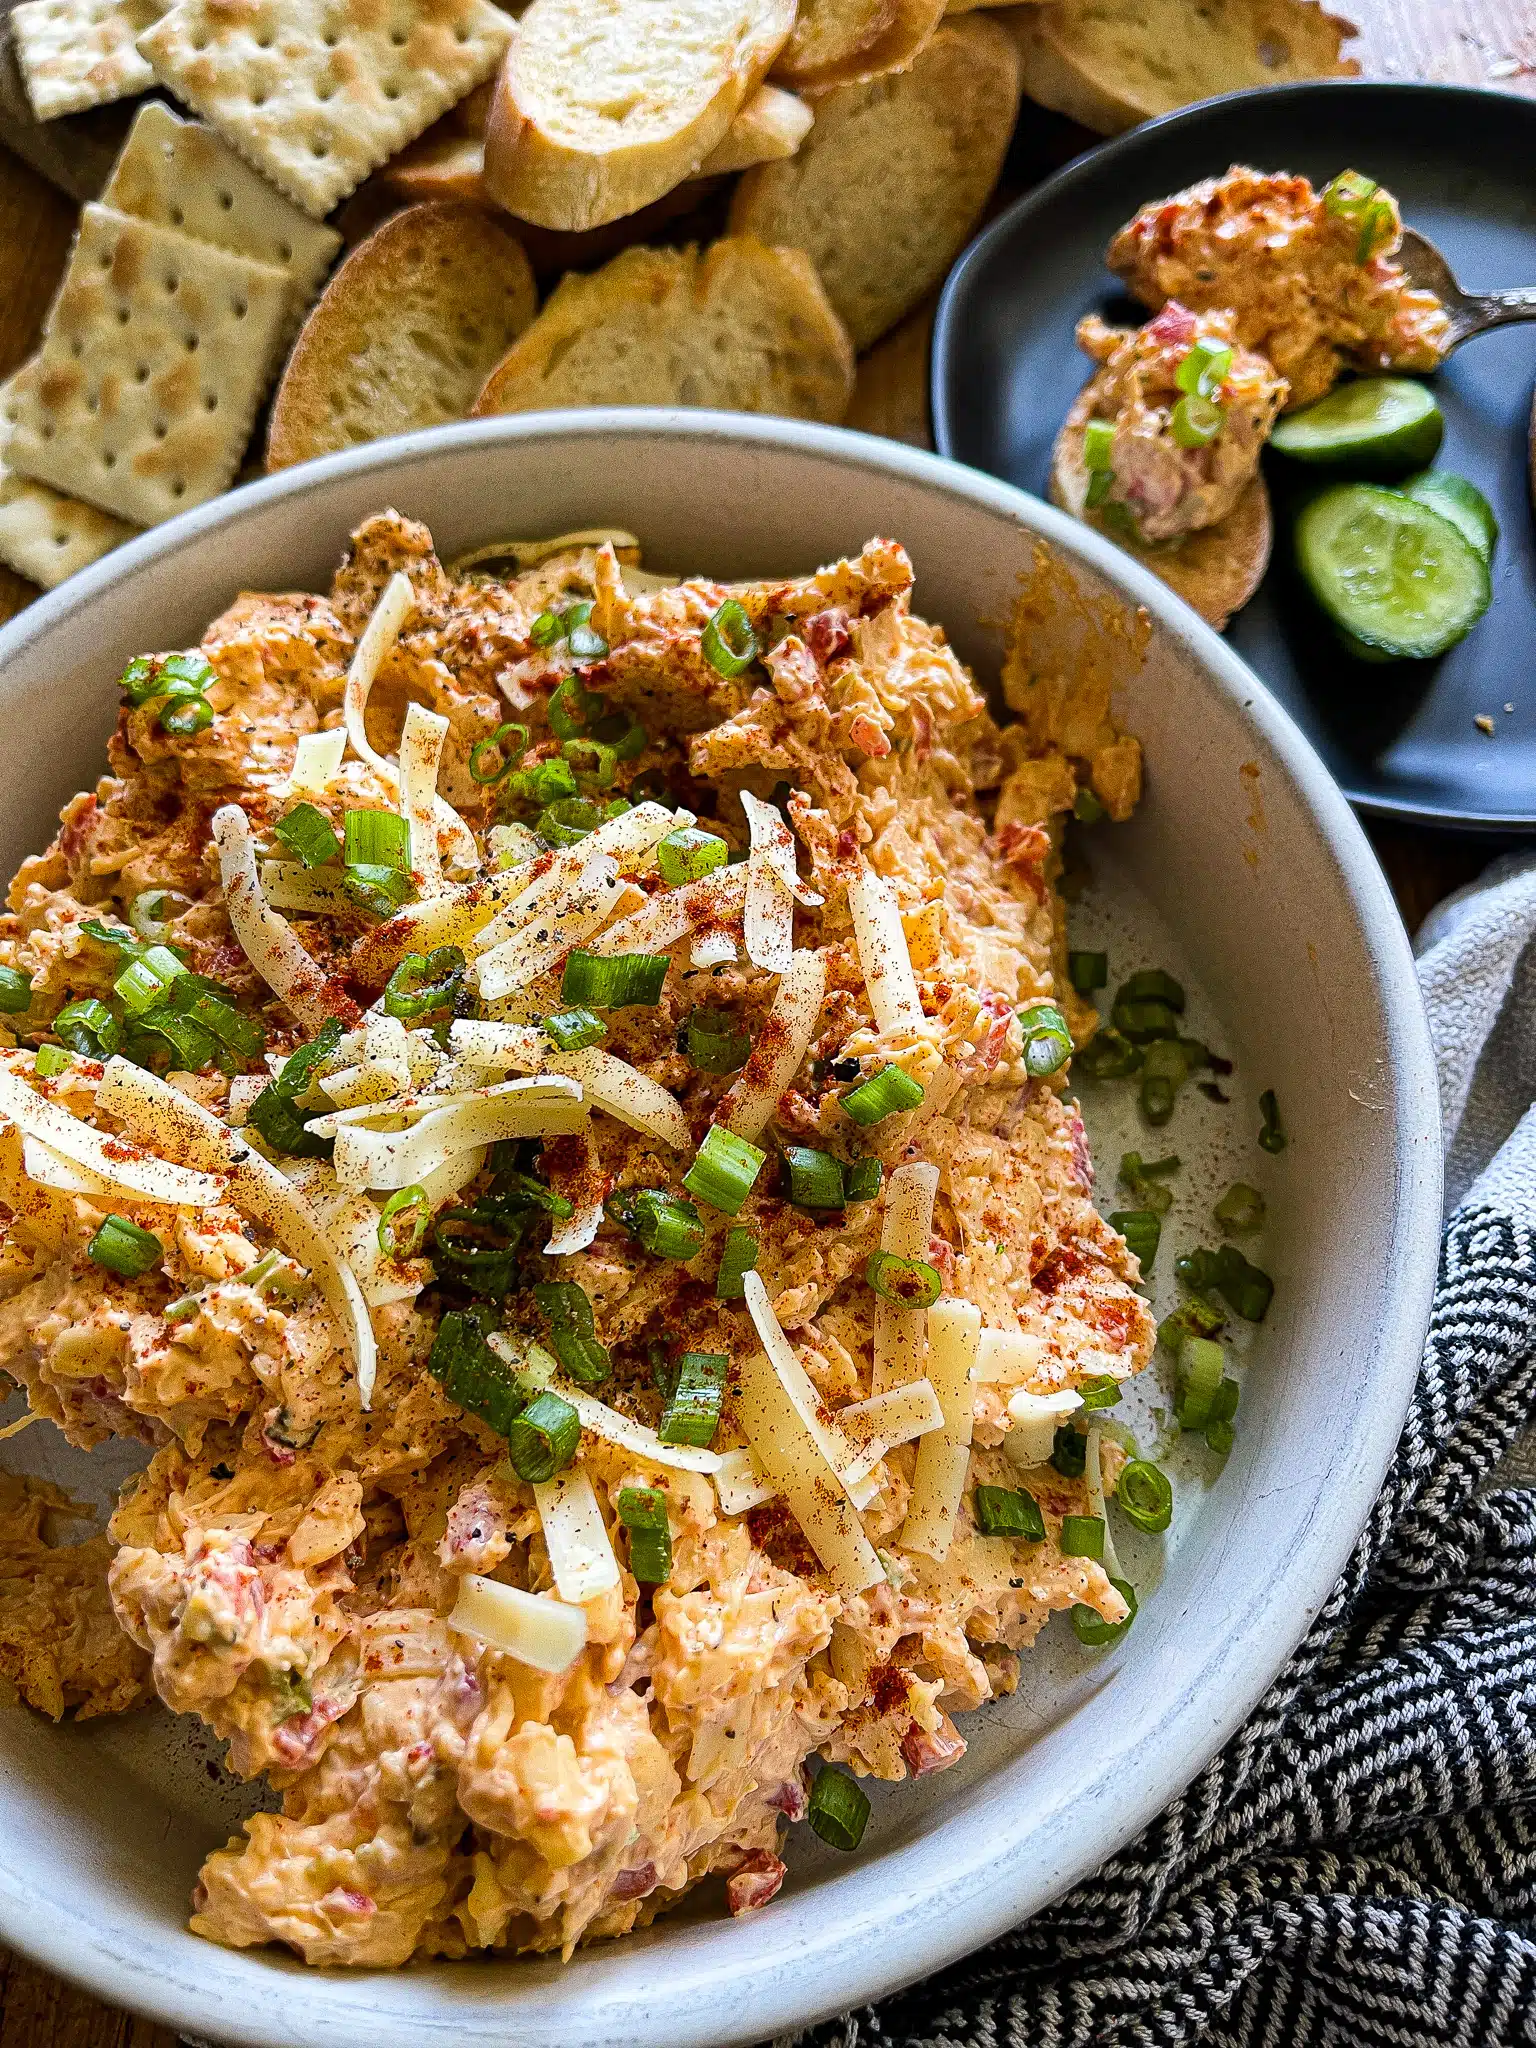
[1401, 740]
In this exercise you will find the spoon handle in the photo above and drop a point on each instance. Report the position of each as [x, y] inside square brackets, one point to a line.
[1480, 311]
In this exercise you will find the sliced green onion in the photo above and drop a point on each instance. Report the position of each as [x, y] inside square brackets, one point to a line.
[380, 890]
[375, 839]
[146, 913]
[1002, 1511]
[1271, 1136]
[724, 1170]
[692, 1414]
[89, 1028]
[1098, 445]
[729, 644]
[1142, 1230]
[15, 991]
[1152, 985]
[714, 1043]
[1145, 1180]
[643, 1511]
[1047, 1041]
[1220, 1436]
[1069, 1452]
[425, 983]
[1083, 1536]
[1099, 1392]
[193, 1046]
[566, 1306]
[147, 676]
[838, 1809]
[1203, 369]
[546, 629]
[1100, 483]
[1143, 1023]
[613, 981]
[584, 641]
[1093, 1629]
[224, 1022]
[627, 736]
[505, 747]
[862, 1178]
[1197, 1316]
[1087, 809]
[905, 1283]
[1246, 1287]
[1108, 1057]
[403, 1223]
[1196, 422]
[544, 1438]
[471, 1373]
[480, 1246]
[688, 854]
[51, 1061]
[883, 1095]
[1346, 194]
[738, 1256]
[593, 764]
[1164, 1070]
[144, 982]
[123, 1248]
[1145, 1496]
[1202, 1367]
[570, 707]
[575, 1030]
[1241, 1210]
[659, 1222]
[815, 1178]
[1088, 971]
[308, 835]
[113, 936]
[568, 821]
[273, 1115]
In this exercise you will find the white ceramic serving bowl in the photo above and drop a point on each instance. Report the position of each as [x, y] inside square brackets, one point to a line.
[1242, 844]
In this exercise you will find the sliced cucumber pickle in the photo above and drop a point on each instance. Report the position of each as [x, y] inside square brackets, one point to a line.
[1460, 502]
[1393, 574]
[1376, 426]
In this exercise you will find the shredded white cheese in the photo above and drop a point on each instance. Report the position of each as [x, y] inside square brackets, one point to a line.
[791, 1460]
[151, 1179]
[575, 1232]
[877, 1425]
[1033, 1422]
[816, 1418]
[944, 1456]
[378, 639]
[421, 757]
[712, 948]
[161, 1115]
[740, 1483]
[632, 1097]
[499, 1048]
[906, 1225]
[546, 939]
[50, 1169]
[267, 940]
[636, 1437]
[1093, 1473]
[626, 840]
[546, 1634]
[316, 760]
[1007, 1356]
[883, 954]
[387, 1159]
[576, 1536]
[773, 887]
[289, 885]
[782, 1044]
[670, 916]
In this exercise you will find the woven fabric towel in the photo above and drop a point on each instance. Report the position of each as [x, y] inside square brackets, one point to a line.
[1358, 1865]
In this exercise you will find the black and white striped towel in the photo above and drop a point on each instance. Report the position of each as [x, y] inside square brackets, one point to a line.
[1357, 1869]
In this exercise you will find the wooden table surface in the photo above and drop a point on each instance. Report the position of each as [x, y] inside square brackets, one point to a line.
[1472, 42]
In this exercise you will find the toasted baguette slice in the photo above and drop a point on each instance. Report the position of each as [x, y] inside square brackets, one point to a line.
[404, 333]
[1112, 63]
[849, 42]
[771, 126]
[890, 392]
[437, 167]
[739, 326]
[888, 185]
[1216, 570]
[969, 6]
[602, 106]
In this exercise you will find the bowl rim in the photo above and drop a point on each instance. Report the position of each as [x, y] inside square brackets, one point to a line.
[892, 1934]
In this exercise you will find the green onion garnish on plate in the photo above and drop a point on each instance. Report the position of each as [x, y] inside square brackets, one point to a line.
[724, 1170]
[1091, 1628]
[815, 1178]
[738, 1256]
[124, 1249]
[714, 1043]
[729, 644]
[1142, 1230]
[375, 839]
[1083, 1536]
[838, 1808]
[308, 835]
[688, 855]
[613, 981]
[643, 1512]
[1047, 1041]
[883, 1095]
[692, 1413]
[543, 1439]
[1006, 1511]
[1145, 1496]
[904, 1283]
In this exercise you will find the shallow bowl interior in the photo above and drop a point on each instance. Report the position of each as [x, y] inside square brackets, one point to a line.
[1242, 845]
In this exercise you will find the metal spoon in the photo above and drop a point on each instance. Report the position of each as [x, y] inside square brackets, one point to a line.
[1470, 313]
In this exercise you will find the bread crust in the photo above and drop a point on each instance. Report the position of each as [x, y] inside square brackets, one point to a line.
[1215, 571]
[849, 42]
[564, 163]
[356, 374]
[1106, 63]
[737, 325]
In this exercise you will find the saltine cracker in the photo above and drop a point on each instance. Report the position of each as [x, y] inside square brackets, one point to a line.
[43, 534]
[76, 54]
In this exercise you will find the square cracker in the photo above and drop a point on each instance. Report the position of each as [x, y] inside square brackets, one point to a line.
[183, 176]
[317, 93]
[43, 534]
[157, 352]
[76, 54]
